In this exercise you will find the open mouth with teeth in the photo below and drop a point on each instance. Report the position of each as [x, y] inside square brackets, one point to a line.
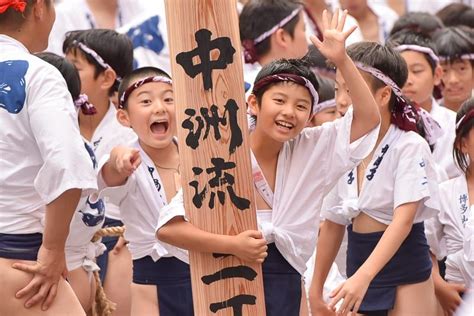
[284, 124]
[159, 128]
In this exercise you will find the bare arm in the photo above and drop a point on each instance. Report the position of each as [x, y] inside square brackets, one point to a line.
[51, 262]
[329, 242]
[366, 112]
[354, 289]
[248, 245]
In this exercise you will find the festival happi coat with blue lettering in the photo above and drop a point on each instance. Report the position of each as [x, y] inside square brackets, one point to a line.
[42, 152]
[401, 171]
[141, 200]
[452, 232]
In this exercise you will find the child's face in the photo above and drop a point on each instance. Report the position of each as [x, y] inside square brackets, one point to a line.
[356, 8]
[89, 84]
[421, 80]
[458, 79]
[151, 114]
[343, 99]
[326, 115]
[284, 111]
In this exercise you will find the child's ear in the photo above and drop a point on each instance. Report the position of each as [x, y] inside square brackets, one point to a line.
[122, 117]
[438, 73]
[462, 145]
[281, 38]
[109, 77]
[382, 96]
[252, 104]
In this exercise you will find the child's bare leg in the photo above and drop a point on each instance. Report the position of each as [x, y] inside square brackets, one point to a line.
[118, 279]
[12, 280]
[415, 299]
[83, 285]
[145, 300]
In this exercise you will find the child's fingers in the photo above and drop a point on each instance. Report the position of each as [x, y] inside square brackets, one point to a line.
[340, 25]
[349, 31]
[26, 267]
[137, 163]
[316, 42]
[357, 306]
[336, 290]
[50, 298]
[335, 19]
[325, 20]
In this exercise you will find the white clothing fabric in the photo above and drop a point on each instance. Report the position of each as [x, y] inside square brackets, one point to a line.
[443, 149]
[300, 186]
[109, 134]
[41, 149]
[149, 35]
[141, 200]
[454, 232]
[401, 171]
[86, 221]
[72, 15]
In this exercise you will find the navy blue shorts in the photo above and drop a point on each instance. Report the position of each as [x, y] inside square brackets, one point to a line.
[282, 285]
[410, 264]
[109, 242]
[20, 246]
[173, 280]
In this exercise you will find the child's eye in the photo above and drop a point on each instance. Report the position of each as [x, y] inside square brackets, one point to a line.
[169, 100]
[301, 107]
[278, 101]
[145, 101]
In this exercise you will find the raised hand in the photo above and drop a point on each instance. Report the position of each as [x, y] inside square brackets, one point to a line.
[47, 271]
[334, 38]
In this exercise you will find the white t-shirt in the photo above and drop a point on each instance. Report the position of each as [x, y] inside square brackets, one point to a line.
[401, 171]
[302, 180]
[41, 149]
[453, 233]
[141, 200]
[443, 149]
[72, 15]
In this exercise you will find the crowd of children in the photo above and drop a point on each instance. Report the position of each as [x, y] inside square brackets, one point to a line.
[362, 127]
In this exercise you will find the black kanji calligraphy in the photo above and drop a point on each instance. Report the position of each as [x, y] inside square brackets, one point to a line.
[203, 50]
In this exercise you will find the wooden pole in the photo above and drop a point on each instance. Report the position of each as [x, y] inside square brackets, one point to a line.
[215, 162]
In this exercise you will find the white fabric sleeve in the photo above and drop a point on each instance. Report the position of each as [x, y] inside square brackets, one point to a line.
[174, 209]
[434, 236]
[54, 124]
[416, 179]
[332, 208]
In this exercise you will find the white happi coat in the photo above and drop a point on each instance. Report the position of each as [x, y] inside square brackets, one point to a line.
[401, 171]
[42, 154]
[443, 148]
[308, 166]
[452, 233]
[72, 15]
[109, 134]
[141, 200]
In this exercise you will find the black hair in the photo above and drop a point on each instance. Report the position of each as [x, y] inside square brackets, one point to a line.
[407, 37]
[420, 22]
[318, 63]
[138, 74]
[383, 58]
[67, 70]
[460, 158]
[454, 41]
[326, 89]
[289, 66]
[259, 16]
[13, 19]
[115, 49]
[456, 14]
